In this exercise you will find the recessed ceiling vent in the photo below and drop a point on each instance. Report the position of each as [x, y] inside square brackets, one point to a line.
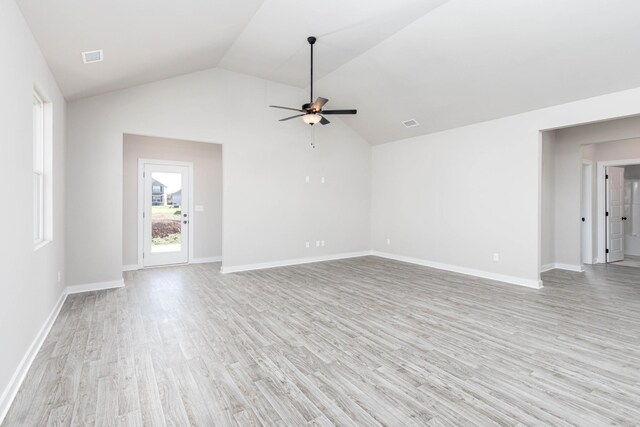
[92, 56]
[410, 123]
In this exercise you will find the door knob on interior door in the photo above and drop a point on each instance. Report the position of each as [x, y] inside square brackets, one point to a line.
[624, 218]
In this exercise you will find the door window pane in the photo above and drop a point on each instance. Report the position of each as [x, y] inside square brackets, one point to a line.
[166, 212]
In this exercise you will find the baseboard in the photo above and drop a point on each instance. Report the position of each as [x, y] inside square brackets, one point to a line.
[547, 267]
[206, 260]
[535, 284]
[10, 392]
[88, 287]
[289, 262]
[134, 267]
[561, 266]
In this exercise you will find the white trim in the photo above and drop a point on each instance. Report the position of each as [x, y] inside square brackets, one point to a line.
[288, 262]
[547, 267]
[10, 392]
[205, 260]
[600, 200]
[586, 239]
[561, 266]
[536, 284]
[88, 287]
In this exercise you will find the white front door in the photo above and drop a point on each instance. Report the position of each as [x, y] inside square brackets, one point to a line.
[166, 214]
[615, 205]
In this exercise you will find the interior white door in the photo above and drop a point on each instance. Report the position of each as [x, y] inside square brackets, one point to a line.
[586, 207]
[615, 205]
[166, 214]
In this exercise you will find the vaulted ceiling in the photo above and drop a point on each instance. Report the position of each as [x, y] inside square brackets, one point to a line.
[443, 63]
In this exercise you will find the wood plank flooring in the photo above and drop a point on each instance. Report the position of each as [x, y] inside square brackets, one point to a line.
[364, 341]
[630, 261]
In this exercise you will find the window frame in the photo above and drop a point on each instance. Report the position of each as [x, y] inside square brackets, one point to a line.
[38, 120]
[42, 168]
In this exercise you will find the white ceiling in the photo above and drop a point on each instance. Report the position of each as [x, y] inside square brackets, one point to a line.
[143, 40]
[443, 63]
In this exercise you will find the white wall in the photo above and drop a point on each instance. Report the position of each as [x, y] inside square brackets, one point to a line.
[207, 191]
[619, 150]
[548, 204]
[29, 288]
[454, 198]
[269, 212]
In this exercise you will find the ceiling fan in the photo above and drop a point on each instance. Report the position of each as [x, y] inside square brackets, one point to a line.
[312, 112]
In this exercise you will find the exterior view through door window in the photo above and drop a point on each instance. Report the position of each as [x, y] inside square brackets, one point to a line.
[166, 212]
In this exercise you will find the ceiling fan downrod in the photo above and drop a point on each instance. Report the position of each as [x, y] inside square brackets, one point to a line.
[312, 41]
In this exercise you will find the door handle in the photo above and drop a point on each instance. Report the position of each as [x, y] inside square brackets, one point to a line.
[583, 219]
[624, 218]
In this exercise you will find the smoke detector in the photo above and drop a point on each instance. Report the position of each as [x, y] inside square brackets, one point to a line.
[410, 123]
[92, 56]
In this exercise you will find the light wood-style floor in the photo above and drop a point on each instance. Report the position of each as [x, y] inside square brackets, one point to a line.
[630, 261]
[362, 342]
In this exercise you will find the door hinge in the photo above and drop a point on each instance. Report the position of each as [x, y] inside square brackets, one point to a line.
[606, 176]
[607, 250]
[607, 214]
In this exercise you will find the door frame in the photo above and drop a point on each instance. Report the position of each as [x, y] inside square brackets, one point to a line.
[586, 240]
[141, 164]
[602, 202]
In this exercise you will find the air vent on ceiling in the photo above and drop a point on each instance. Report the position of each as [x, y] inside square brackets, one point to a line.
[410, 123]
[92, 56]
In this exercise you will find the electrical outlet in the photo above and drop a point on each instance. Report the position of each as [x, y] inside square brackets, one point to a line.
[307, 245]
[321, 242]
[496, 257]
[322, 180]
[388, 241]
[306, 179]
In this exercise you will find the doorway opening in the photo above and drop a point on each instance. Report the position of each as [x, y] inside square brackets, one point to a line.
[172, 202]
[575, 229]
[619, 212]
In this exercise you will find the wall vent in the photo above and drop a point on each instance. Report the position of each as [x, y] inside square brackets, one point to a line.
[92, 56]
[410, 123]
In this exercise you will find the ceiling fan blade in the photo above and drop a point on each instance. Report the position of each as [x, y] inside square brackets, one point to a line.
[317, 106]
[324, 121]
[292, 117]
[340, 112]
[287, 108]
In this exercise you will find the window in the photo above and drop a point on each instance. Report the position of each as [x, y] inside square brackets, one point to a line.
[42, 144]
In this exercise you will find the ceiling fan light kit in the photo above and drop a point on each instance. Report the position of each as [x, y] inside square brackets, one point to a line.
[312, 112]
[311, 119]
